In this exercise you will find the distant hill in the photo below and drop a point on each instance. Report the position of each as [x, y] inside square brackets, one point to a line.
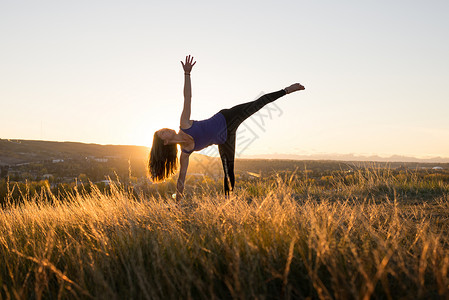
[351, 157]
[13, 152]
[24, 151]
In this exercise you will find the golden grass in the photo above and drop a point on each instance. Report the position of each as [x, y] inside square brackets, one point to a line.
[267, 242]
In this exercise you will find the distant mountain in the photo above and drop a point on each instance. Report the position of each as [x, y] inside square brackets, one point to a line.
[350, 157]
[24, 151]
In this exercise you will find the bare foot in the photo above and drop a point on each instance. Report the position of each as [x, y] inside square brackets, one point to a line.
[294, 87]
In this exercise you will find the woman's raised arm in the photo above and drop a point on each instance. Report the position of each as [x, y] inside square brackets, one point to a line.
[185, 116]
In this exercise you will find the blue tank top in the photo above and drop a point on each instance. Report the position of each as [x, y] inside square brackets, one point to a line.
[207, 132]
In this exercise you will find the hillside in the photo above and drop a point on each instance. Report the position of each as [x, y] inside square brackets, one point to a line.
[26, 151]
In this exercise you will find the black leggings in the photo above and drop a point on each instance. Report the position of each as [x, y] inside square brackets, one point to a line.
[234, 117]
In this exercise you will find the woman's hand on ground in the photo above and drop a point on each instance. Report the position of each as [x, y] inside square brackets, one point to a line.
[187, 66]
[294, 87]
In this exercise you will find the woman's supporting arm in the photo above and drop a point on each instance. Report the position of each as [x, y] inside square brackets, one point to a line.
[184, 162]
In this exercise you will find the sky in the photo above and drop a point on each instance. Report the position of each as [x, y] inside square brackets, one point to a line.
[376, 72]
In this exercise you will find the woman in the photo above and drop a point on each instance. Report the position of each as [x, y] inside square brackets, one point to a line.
[220, 129]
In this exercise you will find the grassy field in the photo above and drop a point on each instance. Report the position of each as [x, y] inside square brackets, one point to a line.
[372, 233]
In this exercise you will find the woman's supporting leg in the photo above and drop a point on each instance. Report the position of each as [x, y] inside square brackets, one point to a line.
[236, 115]
[227, 154]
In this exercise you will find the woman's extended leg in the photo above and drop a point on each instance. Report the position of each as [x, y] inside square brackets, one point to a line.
[236, 115]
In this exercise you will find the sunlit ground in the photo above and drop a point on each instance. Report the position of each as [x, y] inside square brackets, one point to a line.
[366, 234]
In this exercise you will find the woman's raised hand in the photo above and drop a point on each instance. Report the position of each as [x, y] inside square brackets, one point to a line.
[187, 66]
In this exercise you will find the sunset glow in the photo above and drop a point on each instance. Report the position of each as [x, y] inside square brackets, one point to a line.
[375, 73]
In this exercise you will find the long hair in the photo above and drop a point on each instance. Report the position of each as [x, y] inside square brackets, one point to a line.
[163, 160]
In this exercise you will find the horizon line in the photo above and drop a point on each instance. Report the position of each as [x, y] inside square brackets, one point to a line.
[292, 156]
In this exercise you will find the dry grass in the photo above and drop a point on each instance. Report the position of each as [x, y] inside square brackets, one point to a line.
[272, 241]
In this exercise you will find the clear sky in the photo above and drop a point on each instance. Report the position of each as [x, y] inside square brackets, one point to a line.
[376, 72]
